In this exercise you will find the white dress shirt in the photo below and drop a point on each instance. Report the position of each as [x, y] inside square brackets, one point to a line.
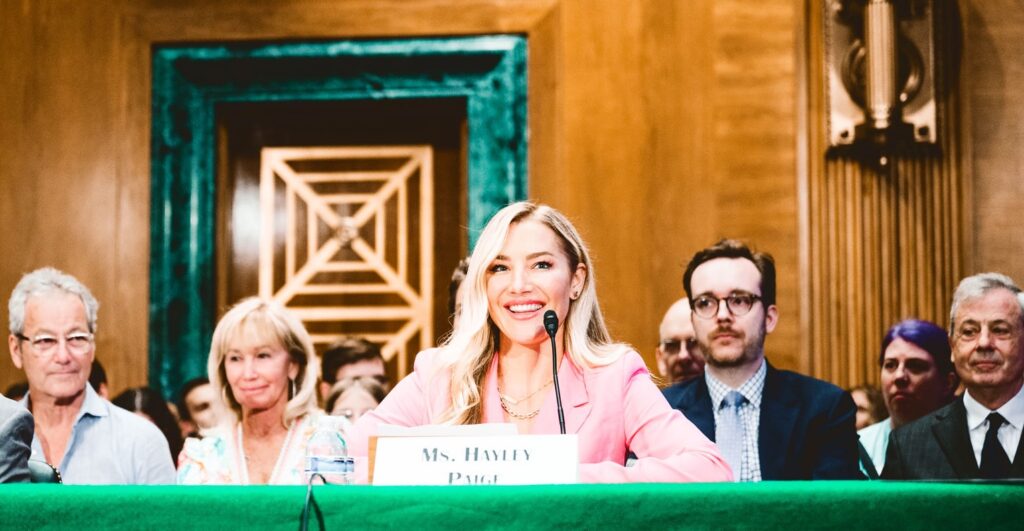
[1009, 433]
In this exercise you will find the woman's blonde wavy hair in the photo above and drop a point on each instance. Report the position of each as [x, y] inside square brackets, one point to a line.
[267, 322]
[469, 351]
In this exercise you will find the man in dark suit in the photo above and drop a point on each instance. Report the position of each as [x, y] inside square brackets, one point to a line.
[16, 429]
[978, 435]
[769, 424]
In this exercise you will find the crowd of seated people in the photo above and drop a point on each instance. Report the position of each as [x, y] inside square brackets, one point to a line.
[950, 404]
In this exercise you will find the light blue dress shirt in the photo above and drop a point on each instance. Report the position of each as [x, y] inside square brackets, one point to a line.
[110, 445]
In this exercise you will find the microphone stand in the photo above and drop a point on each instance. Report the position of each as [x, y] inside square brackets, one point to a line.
[551, 325]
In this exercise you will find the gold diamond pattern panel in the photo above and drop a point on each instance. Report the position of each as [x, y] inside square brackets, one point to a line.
[346, 242]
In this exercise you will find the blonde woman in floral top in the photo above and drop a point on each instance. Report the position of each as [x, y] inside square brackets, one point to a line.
[263, 363]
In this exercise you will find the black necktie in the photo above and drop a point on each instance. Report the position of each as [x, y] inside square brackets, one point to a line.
[994, 463]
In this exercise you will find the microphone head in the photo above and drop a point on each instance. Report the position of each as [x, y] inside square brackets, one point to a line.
[551, 322]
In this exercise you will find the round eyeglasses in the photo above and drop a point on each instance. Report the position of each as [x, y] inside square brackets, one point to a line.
[45, 344]
[739, 303]
[672, 347]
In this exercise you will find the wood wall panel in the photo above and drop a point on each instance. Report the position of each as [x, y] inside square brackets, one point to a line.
[202, 20]
[754, 148]
[885, 248]
[993, 72]
[60, 180]
[680, 131]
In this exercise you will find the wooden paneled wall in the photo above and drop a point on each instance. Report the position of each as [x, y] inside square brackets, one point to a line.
[679, 130]
[885, 246]
[657, 125]
[993, 72]
[74, 168]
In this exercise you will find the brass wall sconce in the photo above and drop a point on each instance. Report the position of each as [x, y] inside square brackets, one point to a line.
[880, 61]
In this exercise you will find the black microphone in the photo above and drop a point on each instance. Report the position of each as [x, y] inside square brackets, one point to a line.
[551, 325]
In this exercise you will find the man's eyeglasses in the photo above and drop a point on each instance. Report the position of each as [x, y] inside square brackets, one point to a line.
[738, 302]
[672, 347]
[44, 344]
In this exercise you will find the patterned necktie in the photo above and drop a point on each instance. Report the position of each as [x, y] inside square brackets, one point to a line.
[994, 463]
[730, 432]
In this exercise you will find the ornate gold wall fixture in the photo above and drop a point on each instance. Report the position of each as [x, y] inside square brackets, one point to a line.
[346, 242]
[880, 68]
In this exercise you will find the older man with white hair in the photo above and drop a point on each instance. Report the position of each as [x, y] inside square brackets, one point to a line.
[977, 436]
[89, 440]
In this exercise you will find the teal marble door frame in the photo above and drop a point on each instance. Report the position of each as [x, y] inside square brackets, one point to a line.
[188, 83]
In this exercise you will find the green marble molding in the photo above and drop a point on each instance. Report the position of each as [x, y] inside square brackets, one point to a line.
[189, 81]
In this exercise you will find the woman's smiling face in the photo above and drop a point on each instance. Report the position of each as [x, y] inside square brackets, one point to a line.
[258, 373]
[531, 275]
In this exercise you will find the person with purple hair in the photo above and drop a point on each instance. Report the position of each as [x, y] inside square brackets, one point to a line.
[917, 378]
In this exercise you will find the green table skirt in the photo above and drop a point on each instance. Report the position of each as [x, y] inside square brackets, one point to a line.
[835, 505]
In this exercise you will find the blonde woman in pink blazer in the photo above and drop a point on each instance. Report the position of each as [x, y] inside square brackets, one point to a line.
[496, 365]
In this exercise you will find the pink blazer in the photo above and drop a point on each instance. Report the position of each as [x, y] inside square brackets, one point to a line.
[614, 409]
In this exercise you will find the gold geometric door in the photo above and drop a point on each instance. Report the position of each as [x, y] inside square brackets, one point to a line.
[346, 242]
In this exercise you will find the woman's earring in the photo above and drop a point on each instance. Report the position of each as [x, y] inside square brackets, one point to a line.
[291, 396]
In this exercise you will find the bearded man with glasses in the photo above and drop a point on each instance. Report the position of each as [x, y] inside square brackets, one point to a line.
[86, 438]
[769, 424]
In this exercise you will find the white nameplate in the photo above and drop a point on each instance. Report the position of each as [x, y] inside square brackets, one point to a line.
[487, 460]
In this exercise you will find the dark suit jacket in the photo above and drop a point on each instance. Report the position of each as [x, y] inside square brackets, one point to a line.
[938, 446]
[16, 429]
[807, 427]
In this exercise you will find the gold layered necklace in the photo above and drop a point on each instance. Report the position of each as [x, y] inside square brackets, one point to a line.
[507, 402]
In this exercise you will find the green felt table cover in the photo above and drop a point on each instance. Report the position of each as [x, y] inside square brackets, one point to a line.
[771, 505]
